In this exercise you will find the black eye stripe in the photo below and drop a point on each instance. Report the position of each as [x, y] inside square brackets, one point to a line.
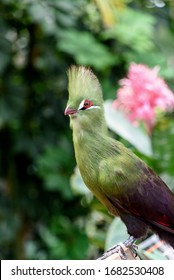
[86, 104]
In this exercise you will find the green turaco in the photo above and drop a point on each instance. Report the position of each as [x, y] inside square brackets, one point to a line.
[114, 174]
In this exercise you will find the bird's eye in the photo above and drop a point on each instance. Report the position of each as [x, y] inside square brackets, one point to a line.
[87, 104]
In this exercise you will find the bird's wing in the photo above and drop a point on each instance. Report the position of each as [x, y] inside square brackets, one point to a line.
[150, 199]
[132, 187]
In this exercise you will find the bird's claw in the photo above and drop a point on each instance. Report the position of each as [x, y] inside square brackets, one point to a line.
[133, 248]
[117, 249]
[122, 253]
[129, 243]
[121, 248]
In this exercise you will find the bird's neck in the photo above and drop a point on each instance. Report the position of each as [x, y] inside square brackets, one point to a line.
[90, 146]
[85, 133]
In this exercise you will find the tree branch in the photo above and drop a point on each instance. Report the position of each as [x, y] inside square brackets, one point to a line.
[120, 253]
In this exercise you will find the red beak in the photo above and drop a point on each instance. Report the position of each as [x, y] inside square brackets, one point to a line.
[69, 111]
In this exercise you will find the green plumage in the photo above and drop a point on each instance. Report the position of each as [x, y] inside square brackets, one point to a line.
[83, 84]
[100, 159]
[116, 176]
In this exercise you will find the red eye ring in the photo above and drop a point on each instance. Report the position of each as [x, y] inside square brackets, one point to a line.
[87, 104]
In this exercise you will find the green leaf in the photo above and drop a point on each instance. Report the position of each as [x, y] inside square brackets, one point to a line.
[77, 183]
[153, 59]
[117, 122]
[86, 49]
[117, 233]
[38, 11]
[133, 28]
[51, 167]
[163, 139]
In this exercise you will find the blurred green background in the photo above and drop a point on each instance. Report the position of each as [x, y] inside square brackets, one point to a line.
[45, 212]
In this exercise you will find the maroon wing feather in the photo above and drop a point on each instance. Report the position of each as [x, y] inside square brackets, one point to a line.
[151, 200]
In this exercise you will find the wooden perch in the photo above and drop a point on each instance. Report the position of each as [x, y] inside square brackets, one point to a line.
[122, 253]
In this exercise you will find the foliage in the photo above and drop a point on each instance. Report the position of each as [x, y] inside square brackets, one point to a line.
[41, 216]
[82, 53]
[123, 127]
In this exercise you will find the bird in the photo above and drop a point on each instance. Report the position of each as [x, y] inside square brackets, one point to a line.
[118, 178]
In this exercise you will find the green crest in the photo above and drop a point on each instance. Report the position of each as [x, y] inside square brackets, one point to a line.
[83, 84]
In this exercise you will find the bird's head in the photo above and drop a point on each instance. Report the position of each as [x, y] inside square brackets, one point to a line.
[85, 103]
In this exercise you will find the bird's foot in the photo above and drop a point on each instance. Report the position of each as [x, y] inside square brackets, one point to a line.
[116, 249]
[120, 249]
[129, 243]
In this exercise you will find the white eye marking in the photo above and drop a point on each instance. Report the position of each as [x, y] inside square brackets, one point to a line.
[93, 107]
[81, 105]
[87, 105]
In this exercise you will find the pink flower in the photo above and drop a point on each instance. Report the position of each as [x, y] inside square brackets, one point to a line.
[141, 93]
